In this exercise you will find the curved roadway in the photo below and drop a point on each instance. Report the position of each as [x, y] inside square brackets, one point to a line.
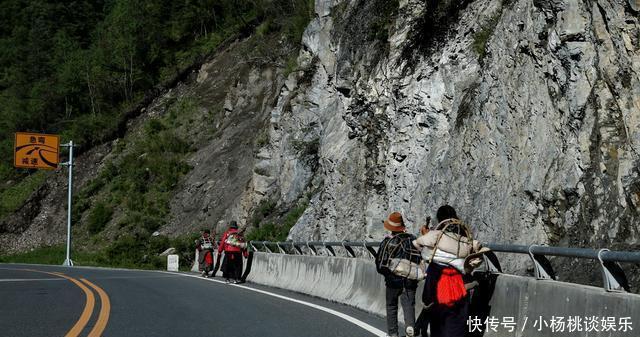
[50, 301]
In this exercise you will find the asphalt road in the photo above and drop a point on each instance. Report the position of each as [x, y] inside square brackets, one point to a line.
[51, 301]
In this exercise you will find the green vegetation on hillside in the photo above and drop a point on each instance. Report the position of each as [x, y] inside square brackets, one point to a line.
[13, 197]
[140, 180]
[387, 10]
[481, 38]
[77, 67]
[81, 69]
[271, 231]
[73, 67]
[129, 252]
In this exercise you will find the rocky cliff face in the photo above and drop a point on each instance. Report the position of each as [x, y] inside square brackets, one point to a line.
[524, 115]
[533, 137]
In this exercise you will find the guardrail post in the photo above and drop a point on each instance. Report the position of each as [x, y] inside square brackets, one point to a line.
[280, 248]
[542, 266]
[491, 262]
[348, 249]
[613, 276]
[266, 247]
[329, 248]
[312, 248]
[297, 249]
[371, 250]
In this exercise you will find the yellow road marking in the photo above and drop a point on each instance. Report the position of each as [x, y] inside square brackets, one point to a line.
[88, 307]
[105, 308]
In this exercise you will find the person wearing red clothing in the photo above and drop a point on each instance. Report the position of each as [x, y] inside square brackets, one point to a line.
[205, 258]
[233, 246]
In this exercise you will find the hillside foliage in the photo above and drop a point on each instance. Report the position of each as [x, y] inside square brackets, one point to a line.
[74, 67]
[78, 68]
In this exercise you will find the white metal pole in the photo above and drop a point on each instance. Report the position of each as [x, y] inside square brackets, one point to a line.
[68, 262]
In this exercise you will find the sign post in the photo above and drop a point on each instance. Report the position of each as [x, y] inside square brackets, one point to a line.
[40, 151]
[67, 261]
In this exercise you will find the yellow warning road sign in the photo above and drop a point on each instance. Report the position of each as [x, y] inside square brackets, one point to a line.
[34, 150]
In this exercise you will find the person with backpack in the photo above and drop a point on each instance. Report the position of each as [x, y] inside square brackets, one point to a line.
[398, 261]
[232, 247]
[204, 245]
[452, 254]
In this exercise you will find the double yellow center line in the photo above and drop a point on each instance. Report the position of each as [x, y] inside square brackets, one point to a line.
[105, 308]
[103, 317]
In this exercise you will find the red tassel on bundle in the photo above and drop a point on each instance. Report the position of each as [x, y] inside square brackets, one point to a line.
[450, 288]
[208, 259]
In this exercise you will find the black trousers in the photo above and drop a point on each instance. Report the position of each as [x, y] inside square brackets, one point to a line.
[232, 265]
[449, 321]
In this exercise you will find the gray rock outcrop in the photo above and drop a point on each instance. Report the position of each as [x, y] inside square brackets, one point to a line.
[524, 115]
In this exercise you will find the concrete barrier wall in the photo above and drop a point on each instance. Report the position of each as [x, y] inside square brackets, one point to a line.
[355, 282]
[537, 301]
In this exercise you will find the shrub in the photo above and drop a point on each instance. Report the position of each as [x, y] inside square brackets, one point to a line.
[481, 38]
[154, 126]
[15, 196]
[127, 250]
[262, 139]
[277, 232]
[386, 12]
[99, 217]
[267, 207]
[291, 66]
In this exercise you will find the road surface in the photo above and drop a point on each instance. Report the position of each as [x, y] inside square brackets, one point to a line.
[38, 300]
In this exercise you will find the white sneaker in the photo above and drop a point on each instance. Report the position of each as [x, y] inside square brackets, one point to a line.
[409, 331]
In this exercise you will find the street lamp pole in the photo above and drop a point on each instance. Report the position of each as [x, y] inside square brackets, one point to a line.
[67, 261]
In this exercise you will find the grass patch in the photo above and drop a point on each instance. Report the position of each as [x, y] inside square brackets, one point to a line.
[481, 38]
[50, 255]
[262, 139]
[291, 66]
[379, 27]
[99, 217]
[130, 251]
[302, 11]
[12, 198]
[265, 209]
[277, 232]
[265, 28]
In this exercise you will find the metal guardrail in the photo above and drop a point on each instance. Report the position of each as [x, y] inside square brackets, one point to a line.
[614, 277]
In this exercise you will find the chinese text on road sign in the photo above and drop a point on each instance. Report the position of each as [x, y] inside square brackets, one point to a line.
[39, 151]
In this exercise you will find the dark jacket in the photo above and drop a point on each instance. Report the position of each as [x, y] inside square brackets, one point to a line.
[387, 248]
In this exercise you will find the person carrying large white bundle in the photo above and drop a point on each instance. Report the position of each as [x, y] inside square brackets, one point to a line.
[452, 254]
